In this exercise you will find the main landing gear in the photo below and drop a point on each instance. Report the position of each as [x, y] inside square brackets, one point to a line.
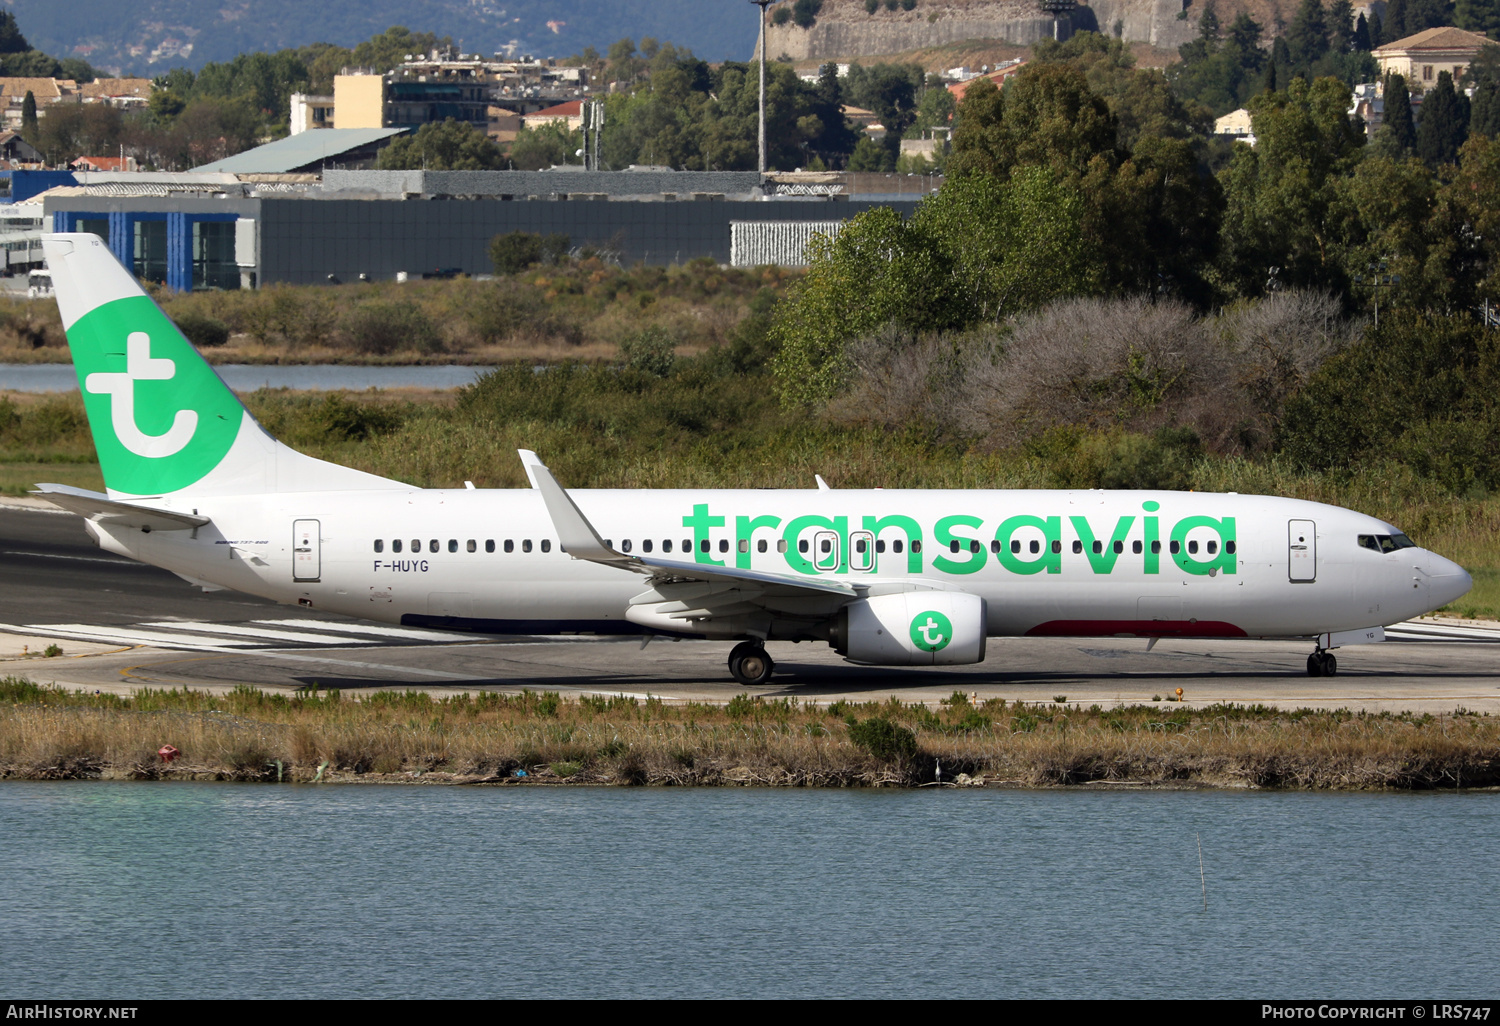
[749, 664]
[1322, 664]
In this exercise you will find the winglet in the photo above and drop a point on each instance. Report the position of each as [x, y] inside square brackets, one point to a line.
[822, 485]
[529, 461]
[574, 533]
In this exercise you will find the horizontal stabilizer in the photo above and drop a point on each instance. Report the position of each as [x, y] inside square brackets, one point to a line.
[102, 509]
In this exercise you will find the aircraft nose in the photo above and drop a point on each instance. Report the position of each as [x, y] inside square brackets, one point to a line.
[1448, 581]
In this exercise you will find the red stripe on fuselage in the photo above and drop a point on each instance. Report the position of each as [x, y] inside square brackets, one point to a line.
[1138, 628]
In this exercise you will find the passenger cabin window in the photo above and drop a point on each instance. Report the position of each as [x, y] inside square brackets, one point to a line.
[1036, 546]
[1176, 547]
[1056, 546]
[916, 545]
[723, 545]
[471, 545]
[953, 546]
[687, 546]
[1213, 547]
[416, 545]
[510, 546]
[1228, 546]
[666, 545]
[705, 545]
[1193, 547]
[1077, 547]
[432, 546]
[525, 544]
[452, 544]
[625, 545]
[546, 545]
[995, 546]
[801, 545]
[897, 545]
[379, 545]
[489, 545]
[1135, 547]
[745, 545]
[1156, 546]
[781, 545]
[395, 544]
[646, 545]
[1098, 547]
[761, 545]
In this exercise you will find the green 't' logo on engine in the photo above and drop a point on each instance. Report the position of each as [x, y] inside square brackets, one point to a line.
[931, 631]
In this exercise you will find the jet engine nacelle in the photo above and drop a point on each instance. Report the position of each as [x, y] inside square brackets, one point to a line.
[913, 628]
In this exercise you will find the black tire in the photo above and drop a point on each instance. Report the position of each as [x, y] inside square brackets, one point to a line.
[1330, 664]
[1315, 665]
[752, 668]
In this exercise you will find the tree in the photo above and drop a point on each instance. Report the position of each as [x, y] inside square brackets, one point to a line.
[447, 145]
[1341, 26]
[11, 40]
[514, 252]
[1444, 125]
[1484, 76]
[1361, 40]
[28, 117]
[1307, 36]
[1277, 225]
[390, 48]
[1478, 16]
[1393, 25]
[1398, 134]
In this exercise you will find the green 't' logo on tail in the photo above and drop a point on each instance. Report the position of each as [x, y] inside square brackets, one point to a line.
[161, 417]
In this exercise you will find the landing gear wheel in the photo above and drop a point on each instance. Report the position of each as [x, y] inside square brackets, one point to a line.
[1322, 664]
[750, 665]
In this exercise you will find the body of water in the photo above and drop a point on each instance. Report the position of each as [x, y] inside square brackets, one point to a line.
[217, 890]
[242, 377]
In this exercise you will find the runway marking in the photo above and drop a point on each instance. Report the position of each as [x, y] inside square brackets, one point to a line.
[78, 559]
[115, 635]
[263, 633]
[364, 628]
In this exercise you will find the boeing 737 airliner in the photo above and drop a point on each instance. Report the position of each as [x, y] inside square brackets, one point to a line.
[886, 577]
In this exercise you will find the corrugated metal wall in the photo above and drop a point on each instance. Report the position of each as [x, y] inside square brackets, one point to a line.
[752, 243]
[304, 241]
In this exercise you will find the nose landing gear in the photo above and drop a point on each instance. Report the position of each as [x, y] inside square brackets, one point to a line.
[1322, 664]
[750, 665]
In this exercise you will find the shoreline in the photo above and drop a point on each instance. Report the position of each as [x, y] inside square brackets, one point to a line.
[542, 739]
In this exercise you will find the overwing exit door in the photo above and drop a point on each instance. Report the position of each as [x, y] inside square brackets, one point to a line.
[307, 557]
[1302, 550]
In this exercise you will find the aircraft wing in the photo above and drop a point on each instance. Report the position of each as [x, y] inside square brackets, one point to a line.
[102, 509]
[579, 539]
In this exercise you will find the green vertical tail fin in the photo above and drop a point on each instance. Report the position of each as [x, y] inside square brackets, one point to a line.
[162, 419]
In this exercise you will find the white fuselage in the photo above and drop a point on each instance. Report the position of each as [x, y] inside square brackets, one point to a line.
[1064, 562]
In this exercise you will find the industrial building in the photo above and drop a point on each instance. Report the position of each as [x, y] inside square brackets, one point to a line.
[224, 230]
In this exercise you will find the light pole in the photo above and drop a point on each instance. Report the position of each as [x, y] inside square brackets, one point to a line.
[762, 4]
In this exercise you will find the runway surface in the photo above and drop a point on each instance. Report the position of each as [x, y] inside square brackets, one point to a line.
[123, 625]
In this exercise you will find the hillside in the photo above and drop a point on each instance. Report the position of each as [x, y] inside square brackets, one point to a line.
[845, 29]
[147, 37]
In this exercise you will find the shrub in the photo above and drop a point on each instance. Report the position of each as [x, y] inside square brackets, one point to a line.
[514, 252]
[884, 739]
[201, 330]
[387, 327]
[652, 352]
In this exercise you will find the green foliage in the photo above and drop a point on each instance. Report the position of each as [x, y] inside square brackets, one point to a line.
[1445, 123]
[514, 252]
[1077, 458]
[651, 352]
[447, 145]
[1421, 389]
[536, 149]
[382, 326]
[28, 116]
[1280, 193]
[805, 12]
[201, 330]
[885, 740]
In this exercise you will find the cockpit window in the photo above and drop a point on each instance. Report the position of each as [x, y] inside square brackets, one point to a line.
[1386, 542]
